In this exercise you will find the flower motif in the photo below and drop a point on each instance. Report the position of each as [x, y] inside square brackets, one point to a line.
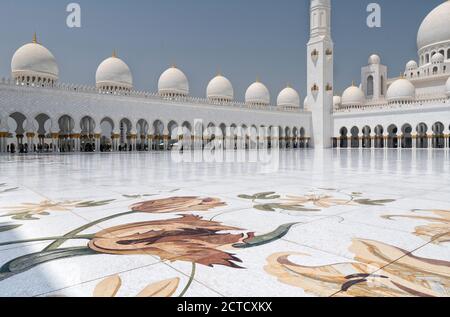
[381, 270]
[321, 201]
[438, 231]
[177, 204]
[26, 211]
[189, 238]
[110, 286]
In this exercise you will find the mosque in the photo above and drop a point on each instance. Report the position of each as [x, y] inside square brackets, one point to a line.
[40, 114]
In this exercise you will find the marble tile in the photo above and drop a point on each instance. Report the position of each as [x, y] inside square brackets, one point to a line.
[358, 197]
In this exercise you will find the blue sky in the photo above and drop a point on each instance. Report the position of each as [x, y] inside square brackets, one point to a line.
[245, 39]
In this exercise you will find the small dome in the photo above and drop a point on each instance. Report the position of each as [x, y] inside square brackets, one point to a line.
[437, 58]
[447, 87]
[34, 60]
[337, 101]
[435, 28]
[114, 72]
[288, 97]
[257, 94]
[411, 65]
[173, 82]
[306, 104]
[353, 96]
[401, 90]
[374, 59]
[220, 88]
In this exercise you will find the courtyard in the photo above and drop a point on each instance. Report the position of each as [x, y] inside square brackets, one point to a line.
[295, 223]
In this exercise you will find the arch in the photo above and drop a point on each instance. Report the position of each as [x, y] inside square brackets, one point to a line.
[107, 129]
[406, 139]
[438, 135]
[126, 128]
[158, 135]
[16, 125]
[392, 136]
[66, 125]
[44, 125]
[379, 137]
[187, 136]
[422, 138]
[87, 135]
[287, 137]
[296, 136]
[354, 137]
[142, 129]
[174, 134]
[343, 132]
[370, 84]
[367, 139]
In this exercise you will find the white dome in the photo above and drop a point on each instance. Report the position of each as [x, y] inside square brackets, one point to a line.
[447, 87]
[353, 96]
[288, 97]
[374, 59]
[411, 65]
[114, 72]
[173, 81]
[437, 58]
[401, 90]
[34, 59]
[220, 88]
[337, 101]
[435, 28]
[306, 104]
[257, 93]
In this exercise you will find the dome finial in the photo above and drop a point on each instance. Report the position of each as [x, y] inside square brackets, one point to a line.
[353, 83]
[258, 79]
[114, 54]
[35, 38]
[288, 85]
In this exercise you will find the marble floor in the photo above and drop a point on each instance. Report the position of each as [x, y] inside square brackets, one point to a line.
[295, 223]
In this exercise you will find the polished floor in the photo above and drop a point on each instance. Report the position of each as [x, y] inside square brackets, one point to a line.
[295, 223]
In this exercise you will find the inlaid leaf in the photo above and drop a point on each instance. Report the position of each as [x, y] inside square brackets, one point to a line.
[369, 202]
[89, 204]
[161, 289]
[108, 287]
[255, 241]
[29, 261]
[261, 196]
[8, 227]
[275, 207]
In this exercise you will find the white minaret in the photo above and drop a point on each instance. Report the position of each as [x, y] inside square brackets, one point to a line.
[320, 74]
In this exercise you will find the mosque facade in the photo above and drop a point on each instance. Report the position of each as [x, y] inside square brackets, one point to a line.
[40, 114]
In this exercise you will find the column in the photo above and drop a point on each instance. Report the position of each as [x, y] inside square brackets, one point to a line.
[385, 141]
[30, 141]
[3, 145]
[430, 141]
[97, 137]
[338, 143]
[360, 141]
[55, 142]
[75, 137]
[150, 142]
[414, 140]
[446, 136]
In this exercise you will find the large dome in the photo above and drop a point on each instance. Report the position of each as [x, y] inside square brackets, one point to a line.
[401, 90]
[114, 72]
[353, 96]
[173, 82]
[436, 27]
[34, 60]
[288, 97]
[220, 89]
[257, 94]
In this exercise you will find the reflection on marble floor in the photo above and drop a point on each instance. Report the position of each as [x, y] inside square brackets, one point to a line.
[305, 223]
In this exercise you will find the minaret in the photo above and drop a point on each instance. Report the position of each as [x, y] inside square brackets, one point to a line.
[320, 74]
